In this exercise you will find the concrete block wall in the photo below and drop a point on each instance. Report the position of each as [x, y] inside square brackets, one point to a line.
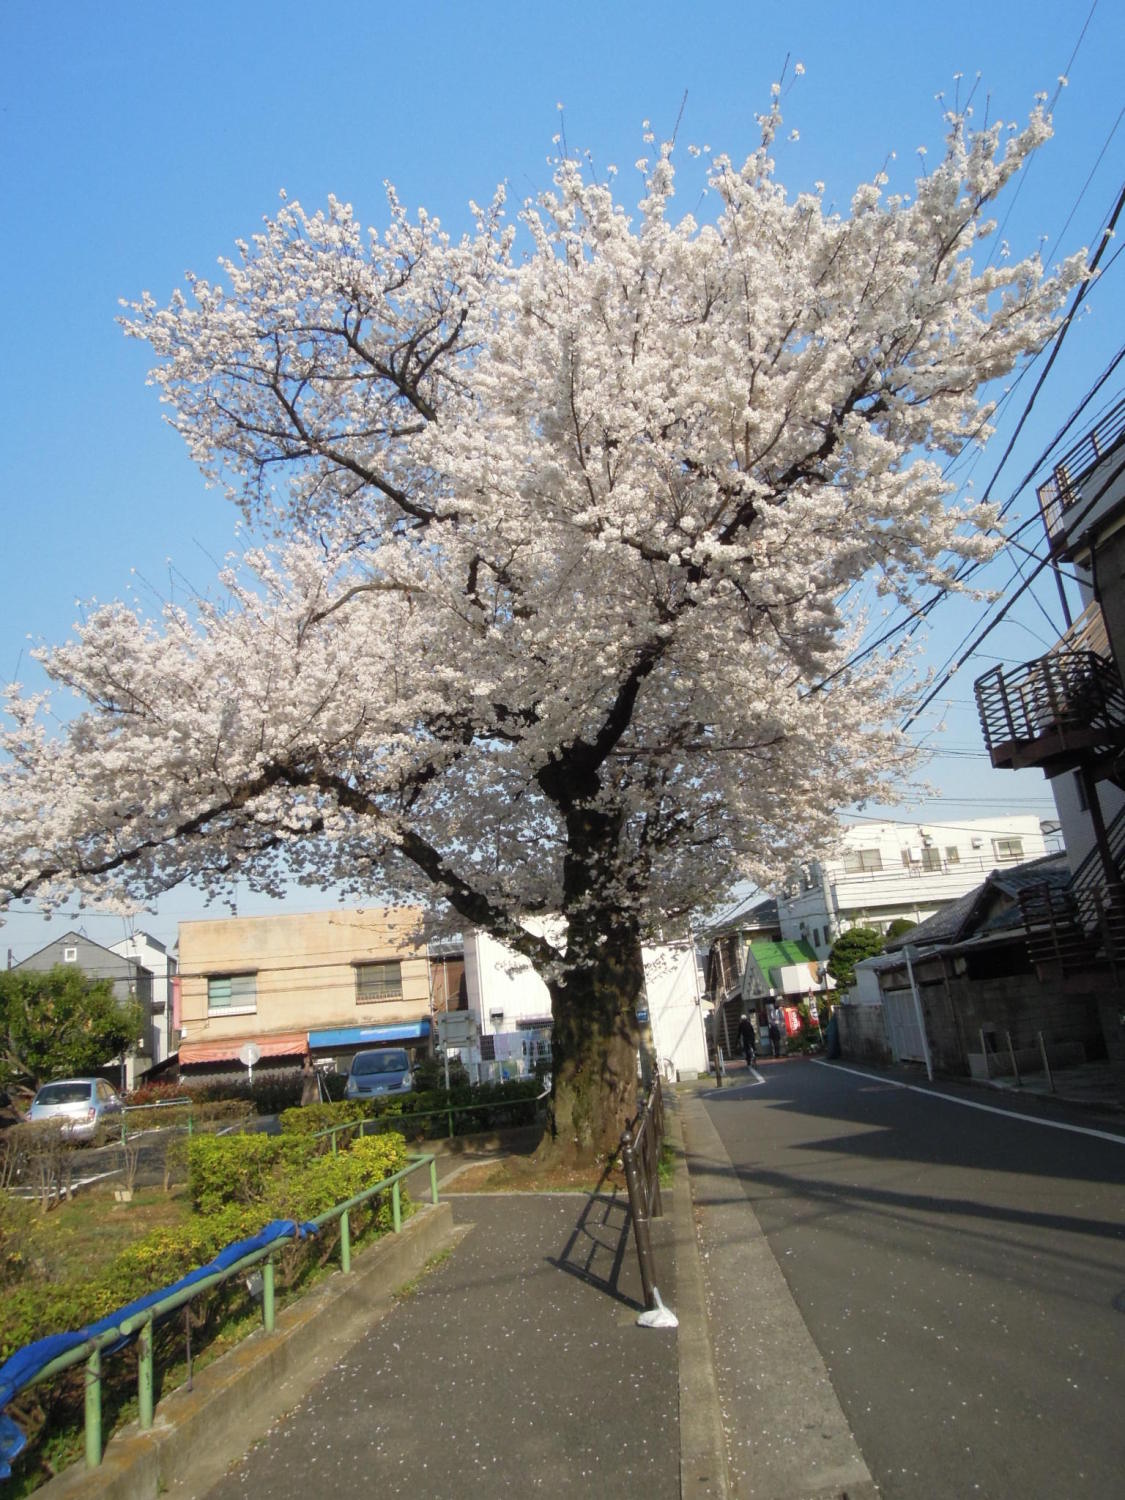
[863, 1036]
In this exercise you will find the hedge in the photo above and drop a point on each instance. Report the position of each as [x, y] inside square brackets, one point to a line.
[425, 1112]
[223, 1171]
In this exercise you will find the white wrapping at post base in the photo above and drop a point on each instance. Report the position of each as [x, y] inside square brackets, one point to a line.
[658, 1316]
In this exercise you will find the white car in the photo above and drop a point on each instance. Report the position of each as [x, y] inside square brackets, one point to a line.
[80, 1105]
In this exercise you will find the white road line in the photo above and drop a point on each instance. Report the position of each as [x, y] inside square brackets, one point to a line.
[989, 1109]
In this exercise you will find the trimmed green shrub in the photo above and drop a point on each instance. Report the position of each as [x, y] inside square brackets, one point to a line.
[269, 1094]
[318, 1184]
[310, 1119]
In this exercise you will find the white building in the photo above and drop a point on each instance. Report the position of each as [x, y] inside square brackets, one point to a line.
[513, 1005]
[152, 955]
[885, 871]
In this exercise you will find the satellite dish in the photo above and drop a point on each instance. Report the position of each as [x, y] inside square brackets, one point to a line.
[249, 1053]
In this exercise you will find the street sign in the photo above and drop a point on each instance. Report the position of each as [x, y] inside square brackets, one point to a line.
[248, 1055]
[457, 1028]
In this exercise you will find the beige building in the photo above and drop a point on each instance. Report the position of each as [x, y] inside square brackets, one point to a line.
[325, 982]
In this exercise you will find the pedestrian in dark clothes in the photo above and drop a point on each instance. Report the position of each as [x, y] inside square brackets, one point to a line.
[773, 1016]
[749, 1040]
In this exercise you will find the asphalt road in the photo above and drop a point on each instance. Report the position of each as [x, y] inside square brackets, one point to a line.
[961, 1272]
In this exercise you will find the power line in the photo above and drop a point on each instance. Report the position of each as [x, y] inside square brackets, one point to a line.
[961, 658]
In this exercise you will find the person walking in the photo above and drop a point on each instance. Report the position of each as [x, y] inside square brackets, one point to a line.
[773, 1020]
[748, 1037]
[310, 1082]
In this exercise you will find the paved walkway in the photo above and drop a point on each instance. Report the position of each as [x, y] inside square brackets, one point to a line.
[515, 1366]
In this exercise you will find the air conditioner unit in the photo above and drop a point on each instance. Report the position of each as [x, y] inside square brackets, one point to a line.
[915, 856]
[978, 843]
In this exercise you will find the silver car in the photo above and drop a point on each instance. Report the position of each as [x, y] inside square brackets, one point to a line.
[80, 1105]
[383, 1071]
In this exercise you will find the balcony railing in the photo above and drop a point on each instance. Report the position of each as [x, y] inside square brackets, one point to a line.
[1061, 491]
[1058, 712]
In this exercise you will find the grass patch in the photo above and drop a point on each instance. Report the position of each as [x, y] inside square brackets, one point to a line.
[523, 1174]
[666, 1166]
[81, 1237]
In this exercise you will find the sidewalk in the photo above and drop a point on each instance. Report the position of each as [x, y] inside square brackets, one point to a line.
[516, 1365]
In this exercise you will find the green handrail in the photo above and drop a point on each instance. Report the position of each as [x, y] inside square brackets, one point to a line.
[142, 1322]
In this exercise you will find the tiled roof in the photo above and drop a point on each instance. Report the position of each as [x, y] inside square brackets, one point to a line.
[963, 917]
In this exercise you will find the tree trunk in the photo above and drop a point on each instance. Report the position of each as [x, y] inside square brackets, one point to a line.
[594, 1052]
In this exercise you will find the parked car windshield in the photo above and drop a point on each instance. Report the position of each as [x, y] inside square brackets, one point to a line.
[63, 1093]
[380, 1062]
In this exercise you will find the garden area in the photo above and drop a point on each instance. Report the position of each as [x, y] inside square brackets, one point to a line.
[85, 1231]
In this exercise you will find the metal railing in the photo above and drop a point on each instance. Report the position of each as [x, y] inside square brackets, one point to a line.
[1059, 705]
[140, 1324]
[640, 1152]
[1060, 492]
[184, 1102]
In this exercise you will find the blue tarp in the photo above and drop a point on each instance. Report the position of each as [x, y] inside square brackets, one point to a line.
[26, 1363]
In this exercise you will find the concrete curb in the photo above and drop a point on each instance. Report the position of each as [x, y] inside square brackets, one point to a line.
[776, 1384]
[703, 1459]
[197, 1434]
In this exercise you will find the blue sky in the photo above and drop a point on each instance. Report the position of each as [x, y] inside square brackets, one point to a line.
[140, 140]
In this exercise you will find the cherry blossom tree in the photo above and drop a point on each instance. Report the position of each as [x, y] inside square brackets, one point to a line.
[557, 523]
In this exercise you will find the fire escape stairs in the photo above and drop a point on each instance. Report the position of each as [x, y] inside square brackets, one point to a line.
[1060, 712]
[1085, 922]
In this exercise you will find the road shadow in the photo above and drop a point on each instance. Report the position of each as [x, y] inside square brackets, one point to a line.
[885, 1124]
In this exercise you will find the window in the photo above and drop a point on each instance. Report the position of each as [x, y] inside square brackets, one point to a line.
[231, 993]
[952, 856]
[70, 955]
[377, 981]
[1008, 848]
[816, 937]
[858, 860]
[931, 859]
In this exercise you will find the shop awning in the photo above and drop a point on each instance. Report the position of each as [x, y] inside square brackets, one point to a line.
[278, 1044]
[357, 1036]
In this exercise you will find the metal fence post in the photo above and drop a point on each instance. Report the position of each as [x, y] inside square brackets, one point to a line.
[94, 1409]
[1015, 1065]
[1046, 1064]
[144, 1374]
[269, 1313]
[640, 1220]
[396, 1206]
[433, 1180]
[345, 1241]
